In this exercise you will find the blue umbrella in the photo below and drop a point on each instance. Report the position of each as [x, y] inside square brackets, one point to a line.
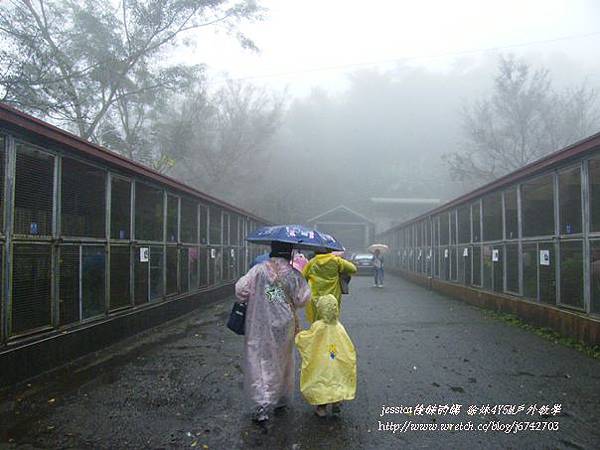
[298, 235]
[331, 242]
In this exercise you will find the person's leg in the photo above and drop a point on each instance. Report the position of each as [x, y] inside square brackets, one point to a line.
[321, 410]
[381, 277]
[336, 408]
[260, 414]
[376, 276]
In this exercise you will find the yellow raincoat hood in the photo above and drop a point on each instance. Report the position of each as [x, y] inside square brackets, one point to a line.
[328, 357]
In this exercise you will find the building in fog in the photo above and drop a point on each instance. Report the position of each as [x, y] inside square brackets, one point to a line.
[354, 230]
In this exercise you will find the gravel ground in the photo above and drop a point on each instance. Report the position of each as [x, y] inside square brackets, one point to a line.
[179, 385]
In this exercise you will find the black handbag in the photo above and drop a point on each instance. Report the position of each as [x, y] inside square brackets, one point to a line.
[237, 318]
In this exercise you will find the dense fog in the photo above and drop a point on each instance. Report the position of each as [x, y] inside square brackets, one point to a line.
[289, 109]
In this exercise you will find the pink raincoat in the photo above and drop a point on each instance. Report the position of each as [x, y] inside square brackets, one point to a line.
[269, 339]
[299, 262]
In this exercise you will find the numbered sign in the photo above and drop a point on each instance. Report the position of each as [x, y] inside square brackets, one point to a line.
[213, 253]
[495, 255]
[466, 251]
[144, 254]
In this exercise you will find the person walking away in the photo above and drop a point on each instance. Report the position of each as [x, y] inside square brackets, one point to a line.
[328, 374]
[323, 275]
[273, 290]
[378, 264]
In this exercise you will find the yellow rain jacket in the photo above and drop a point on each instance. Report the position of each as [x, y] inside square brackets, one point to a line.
[323, 274]
[328, 357]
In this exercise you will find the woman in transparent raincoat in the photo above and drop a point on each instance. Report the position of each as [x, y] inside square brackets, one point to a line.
[273, 290]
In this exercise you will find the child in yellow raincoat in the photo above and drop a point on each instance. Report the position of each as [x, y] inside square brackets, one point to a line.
[328, 359]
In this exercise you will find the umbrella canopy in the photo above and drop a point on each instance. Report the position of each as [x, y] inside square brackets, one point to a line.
[331, 243]
[298, 235]
[381, 247]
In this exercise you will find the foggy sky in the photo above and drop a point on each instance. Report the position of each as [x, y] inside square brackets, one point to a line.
[376, 88]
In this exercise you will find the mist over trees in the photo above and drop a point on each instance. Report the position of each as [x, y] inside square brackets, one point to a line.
[521, 120]
[100, 69]
[412, 133]
[219, 141]
[382, 137]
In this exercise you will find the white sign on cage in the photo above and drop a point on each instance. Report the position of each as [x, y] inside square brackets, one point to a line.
[495, 255]
[144, 254]
[544, 257]
[466, 251]
[213, 253]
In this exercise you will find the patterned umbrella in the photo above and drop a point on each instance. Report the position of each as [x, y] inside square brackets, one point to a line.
[298, 235]
[381, 247]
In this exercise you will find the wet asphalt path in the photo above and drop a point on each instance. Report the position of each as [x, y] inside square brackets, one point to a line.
[179, 386]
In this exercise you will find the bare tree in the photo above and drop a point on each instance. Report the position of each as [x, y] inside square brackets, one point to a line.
[220, 141]
[129, 125]
[523, 120]
[77, 62]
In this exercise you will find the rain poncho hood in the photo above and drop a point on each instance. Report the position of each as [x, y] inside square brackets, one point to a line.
[323, 275]
[269, 288]
[328, 357]
[299, 262]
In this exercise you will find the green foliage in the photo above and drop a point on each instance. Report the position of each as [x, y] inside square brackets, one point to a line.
[592, 351]
[99, 68]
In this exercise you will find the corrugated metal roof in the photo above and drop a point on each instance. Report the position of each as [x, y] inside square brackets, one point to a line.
[31, 124]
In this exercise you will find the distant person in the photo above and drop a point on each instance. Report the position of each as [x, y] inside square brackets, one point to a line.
[323, 274]
[378, 265]
[273, 290]
[328, 374]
